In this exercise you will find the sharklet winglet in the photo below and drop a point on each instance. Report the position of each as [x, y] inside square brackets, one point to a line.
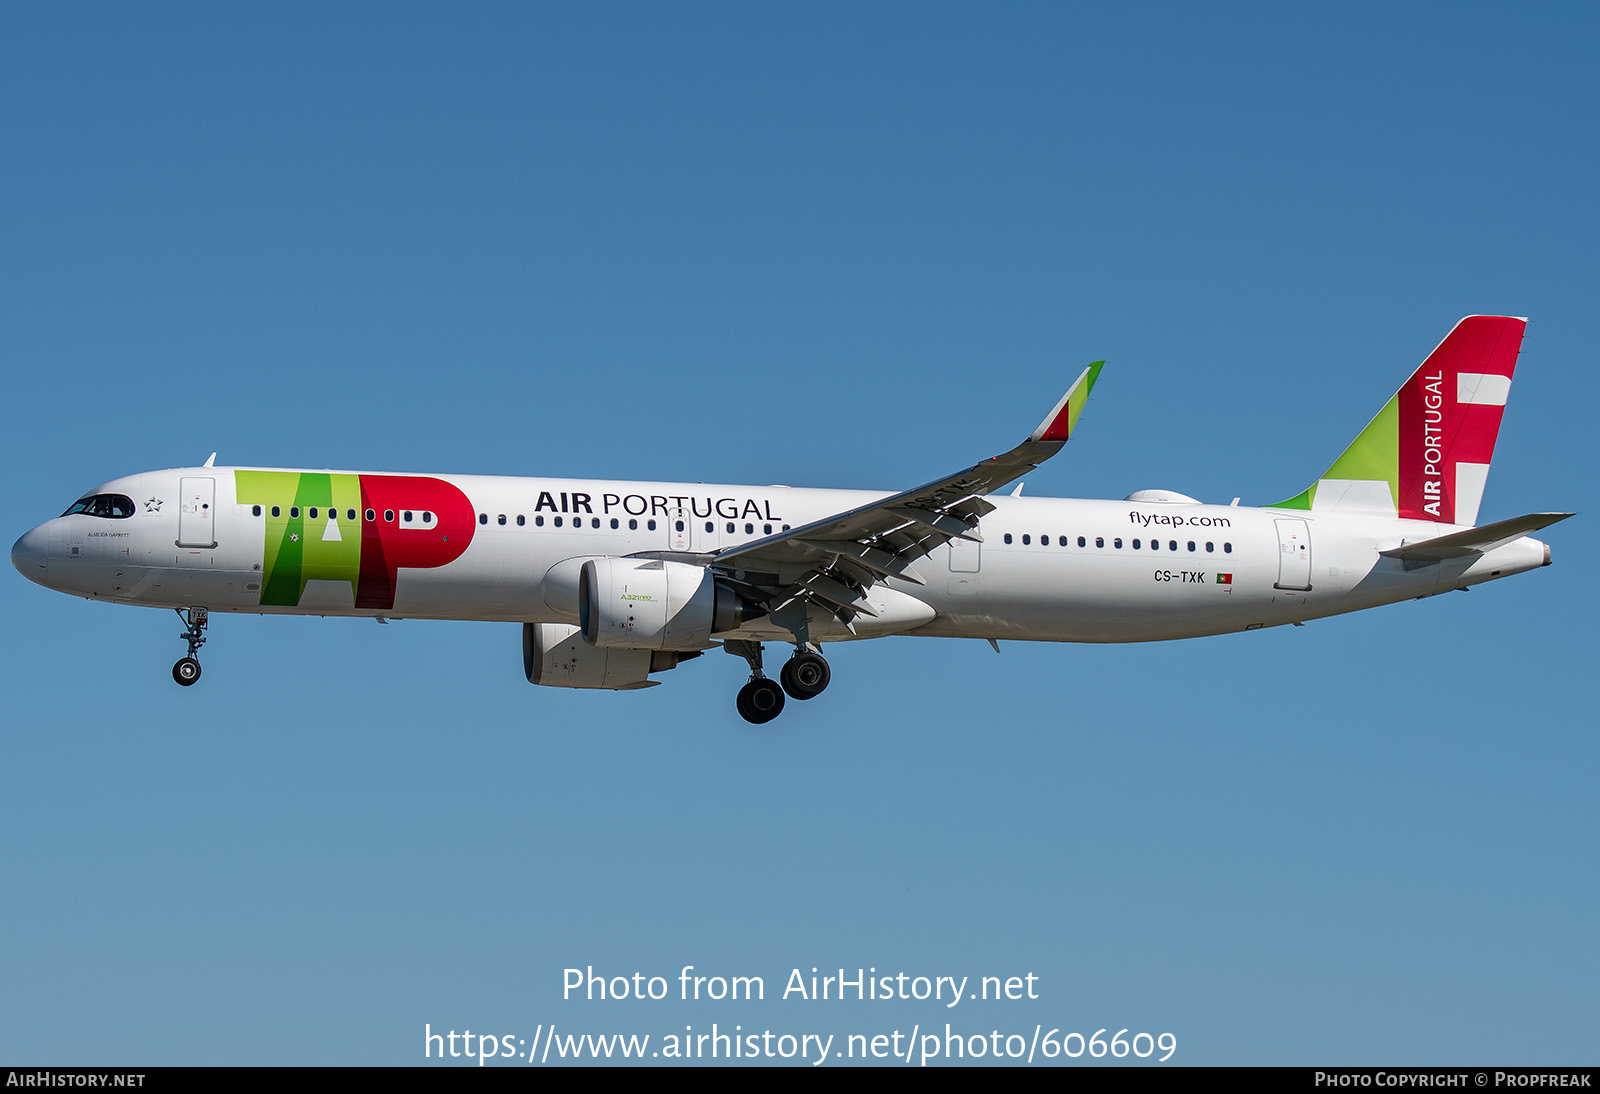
[1063, 418]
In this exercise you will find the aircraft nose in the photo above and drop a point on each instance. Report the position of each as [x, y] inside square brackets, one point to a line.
[28, 554]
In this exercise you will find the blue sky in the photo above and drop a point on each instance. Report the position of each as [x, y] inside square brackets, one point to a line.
[836, 245]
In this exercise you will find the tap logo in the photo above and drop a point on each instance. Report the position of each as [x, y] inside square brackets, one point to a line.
[352, 528]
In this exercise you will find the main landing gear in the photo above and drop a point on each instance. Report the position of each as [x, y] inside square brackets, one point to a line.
[187, 670]
[804, 676]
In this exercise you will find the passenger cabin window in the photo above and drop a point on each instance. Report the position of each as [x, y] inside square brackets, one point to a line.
[651, 526]
[255, 510]
[521, 520]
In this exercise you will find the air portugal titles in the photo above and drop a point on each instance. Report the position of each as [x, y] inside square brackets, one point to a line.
[655, 505]
[358, 529]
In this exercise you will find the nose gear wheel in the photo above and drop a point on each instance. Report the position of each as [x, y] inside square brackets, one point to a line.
[187, 670]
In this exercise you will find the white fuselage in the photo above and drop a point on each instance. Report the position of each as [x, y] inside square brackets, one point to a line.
[1047, 569]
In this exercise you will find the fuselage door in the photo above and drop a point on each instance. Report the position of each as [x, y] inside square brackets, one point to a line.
[678, 533]
[197, 512]
[1294, 554]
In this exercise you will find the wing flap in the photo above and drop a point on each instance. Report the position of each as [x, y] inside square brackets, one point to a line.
[881, 562]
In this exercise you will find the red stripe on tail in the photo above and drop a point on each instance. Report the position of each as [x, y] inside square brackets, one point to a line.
[1436, 430]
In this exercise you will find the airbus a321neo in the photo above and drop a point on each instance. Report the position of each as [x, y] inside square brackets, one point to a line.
[614, 582]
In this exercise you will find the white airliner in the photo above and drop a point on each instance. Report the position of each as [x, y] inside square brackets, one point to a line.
[616, 581]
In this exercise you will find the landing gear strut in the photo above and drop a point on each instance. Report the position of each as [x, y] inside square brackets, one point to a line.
[760, 700]
[805, 675]
[187, 670]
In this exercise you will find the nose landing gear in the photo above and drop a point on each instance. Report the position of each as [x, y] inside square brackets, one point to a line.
[187, 670]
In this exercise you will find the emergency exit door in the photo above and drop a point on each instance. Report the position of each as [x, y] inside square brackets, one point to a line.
[679, 536]
[965, 556]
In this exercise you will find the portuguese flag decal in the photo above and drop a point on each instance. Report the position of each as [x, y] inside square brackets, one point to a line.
[1224, 579]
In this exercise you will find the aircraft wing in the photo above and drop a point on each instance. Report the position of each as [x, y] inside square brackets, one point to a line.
[831, 563]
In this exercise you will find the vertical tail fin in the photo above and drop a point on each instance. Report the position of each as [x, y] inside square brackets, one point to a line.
[1426, 455]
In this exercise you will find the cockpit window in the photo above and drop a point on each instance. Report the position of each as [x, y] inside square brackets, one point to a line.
[103, 505]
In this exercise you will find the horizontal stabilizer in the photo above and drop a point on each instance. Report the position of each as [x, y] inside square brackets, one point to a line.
[1473, 540]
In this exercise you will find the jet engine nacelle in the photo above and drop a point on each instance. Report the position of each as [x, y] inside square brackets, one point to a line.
[648, 604]
[555, 655]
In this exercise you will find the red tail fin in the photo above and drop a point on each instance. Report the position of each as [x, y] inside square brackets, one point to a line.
[1450, 414]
